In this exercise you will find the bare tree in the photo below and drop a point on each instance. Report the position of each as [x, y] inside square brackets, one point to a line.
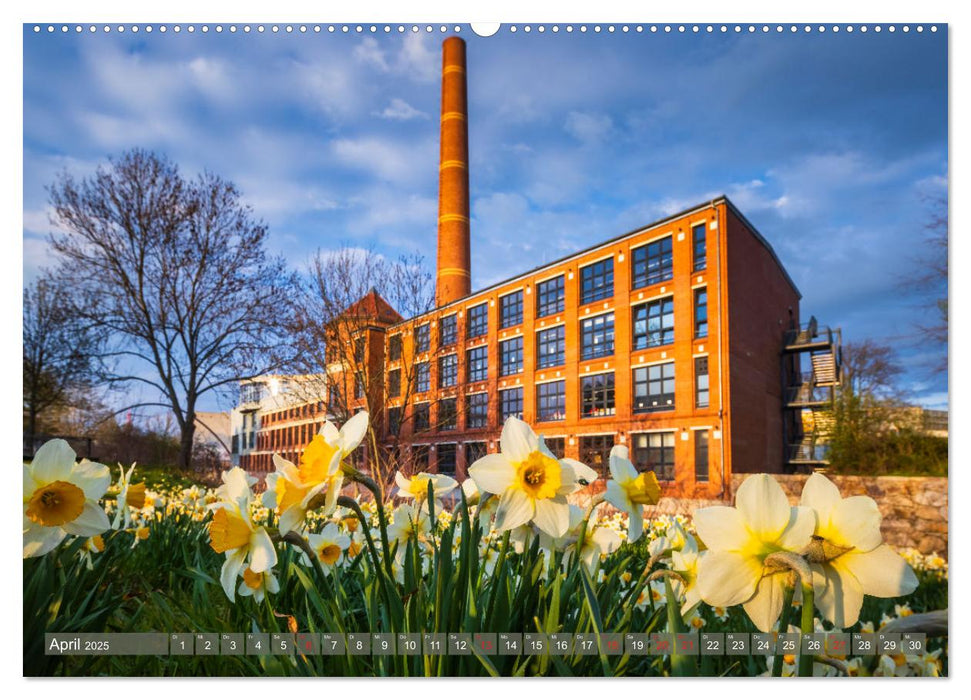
[341, 331]
[60, 351]
[870, 370]
[175, 270]
[929, 280]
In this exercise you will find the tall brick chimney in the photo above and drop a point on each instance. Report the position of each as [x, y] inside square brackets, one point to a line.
[454, 273]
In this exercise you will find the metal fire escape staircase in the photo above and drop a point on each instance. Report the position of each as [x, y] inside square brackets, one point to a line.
[810, 396]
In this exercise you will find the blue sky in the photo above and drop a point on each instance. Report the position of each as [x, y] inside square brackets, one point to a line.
[831, 144]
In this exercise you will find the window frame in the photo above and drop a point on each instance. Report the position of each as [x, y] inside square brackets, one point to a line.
[657, 253]
[589, 331]
[603, 290]
[647, 382]
[477, 369]
[503, 403]
[551, 296]
[421, 409]
[643, 456]
[446, 447]
[515, 301]
[448, 370]
[699, 390]
[700, 319]
[452, 323]
[505, 352]
[699, 262]
[479, 325]
[544, 396]
[423, 377]
[423, 338]
[448, 408]
[481, 407]
[665, 332]
[702, 461]
[602, 398]
[558, 357]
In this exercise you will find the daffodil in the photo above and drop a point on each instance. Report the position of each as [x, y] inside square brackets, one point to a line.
[685, 562]
[329, 546]
[674, 539]
[130, 497]
[293, 490]
[531, 482]
[61, 498]
[233, 533]
[258, 584]
[848, 556]
[416, 487]
[739, 540]
[629, 491]
[409, 523]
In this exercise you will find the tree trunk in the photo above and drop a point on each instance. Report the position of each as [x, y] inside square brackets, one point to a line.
[186, 443]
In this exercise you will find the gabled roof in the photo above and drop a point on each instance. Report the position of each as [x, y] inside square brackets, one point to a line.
[372, 306]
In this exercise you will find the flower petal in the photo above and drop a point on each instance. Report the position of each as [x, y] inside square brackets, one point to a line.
[230, 572]
[53, 461]
[765, 606]
[39, 540]
[837, 594]
[493, 473]
[403, 483]
[291, 518]
[92, 478]
[92, 521]
[727, 578]
[857, 520]
[552, 516]
[764, 506]
[721, 528]
[262, 552]
[330, 433]
[802, 524]
[353, 432]
[582, 475]
[517, 440]
[515, 509]
[881, 572]
[621, 468]
[820, 494]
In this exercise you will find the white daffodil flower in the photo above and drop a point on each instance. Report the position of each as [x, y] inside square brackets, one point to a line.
[685, 561]
[848, 556]
[531, 482]
[409, 523]
[130, 497]
[675, 538]
[233, 533]
[258, 584]
[739, 539]
[61, 498]
[329, 546]
[629, 491]
[416, 487]
[293, 490]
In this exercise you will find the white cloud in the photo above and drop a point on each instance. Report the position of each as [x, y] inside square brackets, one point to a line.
[400, 110]
[369, 52]
[386, 159]
[587, 127]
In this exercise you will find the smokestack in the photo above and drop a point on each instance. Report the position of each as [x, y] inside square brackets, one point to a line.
[454, 272]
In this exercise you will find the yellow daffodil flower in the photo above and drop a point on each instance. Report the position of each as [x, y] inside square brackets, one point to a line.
[233, 533]
[293, 490]
[329, 546]
[258, 584]
[629, 491]
[416, 487]
[847, 553]
[61, 498]
[531, 482]
[739, 539]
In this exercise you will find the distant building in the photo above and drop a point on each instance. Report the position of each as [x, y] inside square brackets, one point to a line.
[681, 339]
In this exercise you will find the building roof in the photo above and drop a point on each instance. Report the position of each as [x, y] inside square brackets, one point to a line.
[657, 224]
[373, 306]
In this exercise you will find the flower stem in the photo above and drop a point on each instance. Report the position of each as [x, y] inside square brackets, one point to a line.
[806, 660]
[787, 596]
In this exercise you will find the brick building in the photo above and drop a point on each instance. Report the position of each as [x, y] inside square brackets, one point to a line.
[681, 339]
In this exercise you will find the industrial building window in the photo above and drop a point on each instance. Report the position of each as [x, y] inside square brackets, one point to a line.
[474, 451]
[597, 395]
[597, 336]
[511, 356]
[597, 281]
[448, 371]
[359, 349]
[423, 375]
[511, 309]
[654, 452]
[448, 331]
[477, 321]
[477, 364]
[476, 411]
[698, 254]
[511, 403]
[654, 323]
[701, 455]
[394, 419]
[446, 458]
[550, 297]
[423, 337]
[421, 417]
[448, 414]
[394, 382]
[394, 348]
[550, 347]
[701, 312]
[333, 399]
[556, 445]
[654, 388]
[652, 263]
[419, 458]
[551, 401]
[595, 452]
[701, 382]
[358, 386]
